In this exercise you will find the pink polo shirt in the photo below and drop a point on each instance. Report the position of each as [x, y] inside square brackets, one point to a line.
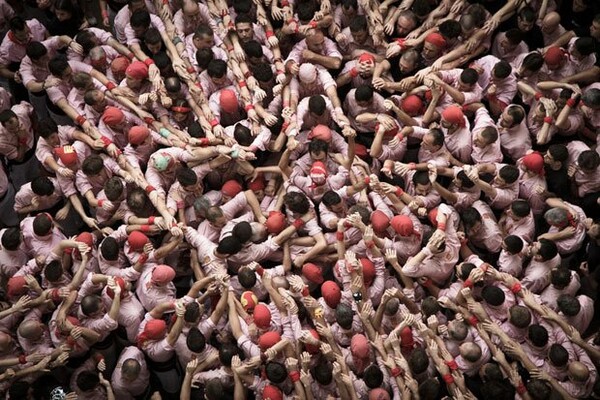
[34, 72]
[95, 184]
[155, 22]
[206, 253]
[459, 143]
[523, 228]
[162, 180]
[131, 313]
[438, 158]
[119, 135]
[505, 89]
[510, 263]
[551, 293]
[452, 77]
[514, 141]
[323, 82]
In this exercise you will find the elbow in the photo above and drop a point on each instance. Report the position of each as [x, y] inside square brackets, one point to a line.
[337, 63]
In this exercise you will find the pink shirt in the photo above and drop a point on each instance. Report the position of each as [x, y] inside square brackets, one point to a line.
[573, 243]
[492, 152]
[43, 345]
[9, 143]
[5, 99]
[523, 228]
[95, 184]
[155, 22]
[11, 260]
[460, 143]
[489, 236]
[35, 72]
[38, 245]
[452, 77]
[509, 56]
[329, 50]
[537, 274]
[323, 82]
[551, 293]
[515, 141]
[505, 89]
[13, 51]
[125, 389]
[185, 25]
[206, 253]
[353, 109]
[156, 350]
[61, 91]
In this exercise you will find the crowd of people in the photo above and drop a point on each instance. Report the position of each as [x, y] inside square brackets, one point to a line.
[299, 199]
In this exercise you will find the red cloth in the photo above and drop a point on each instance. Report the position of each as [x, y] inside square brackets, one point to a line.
[359, 346]
[321, 132]
[268, 340]
[412, 105]
[403, 225]
[379, 221]
[162, 274]
[271, 392]
[275, 222]
[454, 115]
[554, 55]
[137, 134]
[262, 316]
[137, 240]
[368, 271]
[137, 70]
[436, 39]
[17, 286]
[67, 155]
[313, 273]
[331, 293]
[231, 188]
[112, 116]
[228, 101]
[534, 162]
[248, 300]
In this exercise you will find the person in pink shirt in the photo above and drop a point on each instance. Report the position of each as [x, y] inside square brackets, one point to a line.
[365, 109]
[567, 227]
[312, 80]
[503, 189]
[40, 235]
[13, 254]
[131, 376]
[316, 48]
[461, 193]
[457, 132]
[158, 344]
[12, 51]
[509, 45]
[131, 311]
[486, 141]
[481, 227]
[562, 281]
[518, 220]
[497, 81]
[514, 135]
[545, 257]
[532, 183]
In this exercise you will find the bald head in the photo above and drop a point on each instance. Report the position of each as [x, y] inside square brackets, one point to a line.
[31, 330]
[458, 330]
[131, 369]
[579, 371]
[190, 7]
[97, 53]
[550, 22]
[470, 351]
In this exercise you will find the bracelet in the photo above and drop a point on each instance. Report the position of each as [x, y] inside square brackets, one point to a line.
[441, 226]
[104, 13]
[100, 202]
[279, 71]
[191, 70]
[176, 41]
[396, 371]
[149, 189]
[148, 61]
[571, 102]
[204, 142]
[452, 365]
[145, 228]
[468, 283]
[294, 376]
[304, 291]
[269, 34]
[401, 43]
[472, 320]
[448, 378]
[249, 107]
[484, 267]
[339, 236]
[248, 74]
[151, 220]
[428, 283]
[229, 48]
[260, 270]
[285, 3]
[298, 223]
[353, 72]
[538, 95]
[164, 132]
[214, 122]
[347, 225]
[399, 191]
[131, 56]
[80, 120]
[242, 84]
[412, 166]
[370, 244]
[516, 288]
[313, 24]
[367, 180]
[22, 359]
[149, 120]
[110, 85]
[521, 389]
[548, 120]
[107, 142]
[142, 258]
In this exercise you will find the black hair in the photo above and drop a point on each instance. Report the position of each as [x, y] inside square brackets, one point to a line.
[11, 238]
[493, 295]
[42, 186]
[363, 93]
[513, 243]
[140, 19]
[229, 245]
[317, 105]
[216, 68]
